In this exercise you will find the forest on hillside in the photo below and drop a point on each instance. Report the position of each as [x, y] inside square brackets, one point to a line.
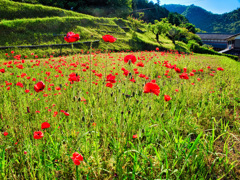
[206, 20]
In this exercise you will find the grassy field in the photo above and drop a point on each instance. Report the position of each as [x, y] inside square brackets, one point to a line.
[121, 132]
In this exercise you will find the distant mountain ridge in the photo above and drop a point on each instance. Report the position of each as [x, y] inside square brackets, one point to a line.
[206, 20]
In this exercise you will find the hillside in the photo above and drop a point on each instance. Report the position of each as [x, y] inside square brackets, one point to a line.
[46, 26]
[28, 24]
[207, 21]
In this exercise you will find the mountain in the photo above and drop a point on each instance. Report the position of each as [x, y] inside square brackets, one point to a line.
[206, 20]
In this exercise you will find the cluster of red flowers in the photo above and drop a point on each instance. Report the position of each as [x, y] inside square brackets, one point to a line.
[71, 37]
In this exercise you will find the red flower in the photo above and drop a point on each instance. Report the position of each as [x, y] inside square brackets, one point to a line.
[130, 58]
[191, 74]
[71, 37]
[109, 85]
[5, 133]
[39, 86]
[77, 158]
[19, 84]
[27, 91]
[177, 70]
[167, 98]
[37, 135]
[184, 76]
[45, 125]
[152, 88]
[140, 64]
[111, 78]
[157, 49]
[66, 113]
[220, 69]
[109, 38]
[2, 70]
[134, 136]
[74, 77]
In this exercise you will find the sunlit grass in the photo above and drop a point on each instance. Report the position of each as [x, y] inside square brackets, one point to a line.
[194, 135]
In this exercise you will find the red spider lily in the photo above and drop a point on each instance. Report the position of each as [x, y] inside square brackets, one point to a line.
[157, 49]
[39, 86]
[176, 90]
[208, 67]
[198, 79]
[2, 70]
[109, 38]
[8, 88]
[71, 37]
[152, 88]
[5, 133]
[184, 76]
[109, 85]
[184, 69]
[140, 64]
[220, 69]
[201, 70]
[77, 158]
[111, 78]
[37, 135]
[167, 98]
[134, 136]
[45, 125]
[130, 59]
[27, 91]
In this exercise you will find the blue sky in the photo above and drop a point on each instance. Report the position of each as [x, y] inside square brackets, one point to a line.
[215, 6]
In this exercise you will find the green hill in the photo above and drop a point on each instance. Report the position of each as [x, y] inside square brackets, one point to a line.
[10, 10]
[29, 24]
[207, 21]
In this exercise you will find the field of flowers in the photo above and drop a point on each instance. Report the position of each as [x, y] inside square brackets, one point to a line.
[126, 115]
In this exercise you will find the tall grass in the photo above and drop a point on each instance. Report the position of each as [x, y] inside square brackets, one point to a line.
[195, 135]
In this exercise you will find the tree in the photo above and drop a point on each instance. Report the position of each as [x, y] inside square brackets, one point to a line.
[173, 34]
[159, 28]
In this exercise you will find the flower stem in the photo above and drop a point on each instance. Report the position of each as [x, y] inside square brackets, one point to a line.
[91, 66]
[77, 173]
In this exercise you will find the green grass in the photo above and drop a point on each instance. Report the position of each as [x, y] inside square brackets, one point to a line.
[195, 135]
[10, 10]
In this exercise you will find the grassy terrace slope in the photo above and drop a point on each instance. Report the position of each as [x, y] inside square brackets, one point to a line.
[194, 135]
[27, 24]
[10, 10]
